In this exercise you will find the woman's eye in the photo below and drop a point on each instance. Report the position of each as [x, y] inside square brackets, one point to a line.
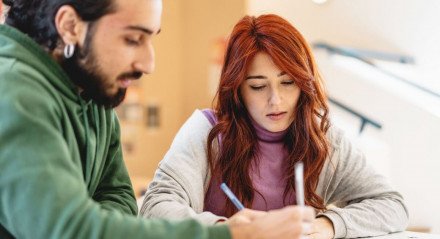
[259, 87]
[290, 82]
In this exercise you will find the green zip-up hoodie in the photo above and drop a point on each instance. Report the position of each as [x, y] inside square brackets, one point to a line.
[61, 169]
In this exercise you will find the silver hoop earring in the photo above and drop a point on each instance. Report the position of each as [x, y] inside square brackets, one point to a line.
[69, 49]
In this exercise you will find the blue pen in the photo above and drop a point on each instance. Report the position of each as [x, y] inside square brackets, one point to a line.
[232, 196]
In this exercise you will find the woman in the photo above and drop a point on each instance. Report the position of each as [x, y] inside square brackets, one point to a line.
[271, 112]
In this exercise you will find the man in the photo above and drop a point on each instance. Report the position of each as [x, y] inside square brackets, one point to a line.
[64, 64]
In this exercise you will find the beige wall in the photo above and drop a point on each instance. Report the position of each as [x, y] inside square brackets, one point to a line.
[204, 22]
[180, 83]
[164, 89]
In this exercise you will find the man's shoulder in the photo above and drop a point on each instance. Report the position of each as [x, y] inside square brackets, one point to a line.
[6, 64]
[19, 84]
[22, 90]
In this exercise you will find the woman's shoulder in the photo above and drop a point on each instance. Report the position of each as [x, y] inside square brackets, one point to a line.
[335, 136]
[342, 149]
[337, 145]
[340, 145]
[210, 115]
[190, 139]
[201, 116]
[197, 123]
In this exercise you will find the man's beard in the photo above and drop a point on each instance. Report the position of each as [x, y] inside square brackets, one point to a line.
[85, 72]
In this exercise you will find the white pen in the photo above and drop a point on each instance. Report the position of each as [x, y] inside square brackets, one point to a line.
[299, 183]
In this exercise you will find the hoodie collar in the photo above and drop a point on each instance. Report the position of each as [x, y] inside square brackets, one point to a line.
[29, 52]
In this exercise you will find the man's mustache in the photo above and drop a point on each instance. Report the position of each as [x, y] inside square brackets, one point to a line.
[131, 75]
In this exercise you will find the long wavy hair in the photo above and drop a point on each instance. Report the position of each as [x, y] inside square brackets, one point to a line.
[305, 139]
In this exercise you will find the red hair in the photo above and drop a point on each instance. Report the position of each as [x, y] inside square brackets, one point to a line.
[305, 140]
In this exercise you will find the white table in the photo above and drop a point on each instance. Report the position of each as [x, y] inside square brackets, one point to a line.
[408, 235]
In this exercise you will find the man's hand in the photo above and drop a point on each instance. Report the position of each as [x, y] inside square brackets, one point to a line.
[281, 223]
[244, 216]
[322, 228]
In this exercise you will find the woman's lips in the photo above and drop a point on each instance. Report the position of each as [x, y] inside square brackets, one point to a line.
[276, 116]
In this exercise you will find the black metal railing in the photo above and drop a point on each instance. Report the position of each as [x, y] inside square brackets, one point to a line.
[366, 56]
[364, 119]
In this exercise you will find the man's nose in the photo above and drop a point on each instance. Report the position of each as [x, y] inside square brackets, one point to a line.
[146, 61]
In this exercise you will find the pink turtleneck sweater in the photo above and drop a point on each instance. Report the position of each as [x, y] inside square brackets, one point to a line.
[266, 175]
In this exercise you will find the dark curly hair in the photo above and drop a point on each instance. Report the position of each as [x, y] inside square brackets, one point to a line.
[36, 18]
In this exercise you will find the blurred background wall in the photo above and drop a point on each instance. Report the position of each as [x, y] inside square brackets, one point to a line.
[186, 50]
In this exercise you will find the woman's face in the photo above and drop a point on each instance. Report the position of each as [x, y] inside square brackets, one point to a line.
[269, 94]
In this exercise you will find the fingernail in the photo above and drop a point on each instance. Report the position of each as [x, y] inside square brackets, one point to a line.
[306, 227]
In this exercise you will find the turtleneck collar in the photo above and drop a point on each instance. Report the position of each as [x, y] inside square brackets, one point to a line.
[266, 135]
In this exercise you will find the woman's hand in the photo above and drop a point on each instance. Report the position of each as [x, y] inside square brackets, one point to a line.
[322, 228]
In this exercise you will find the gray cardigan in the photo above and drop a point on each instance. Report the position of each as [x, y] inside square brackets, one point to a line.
[365, 204]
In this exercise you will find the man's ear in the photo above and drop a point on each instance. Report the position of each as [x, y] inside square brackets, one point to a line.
[70, 26]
